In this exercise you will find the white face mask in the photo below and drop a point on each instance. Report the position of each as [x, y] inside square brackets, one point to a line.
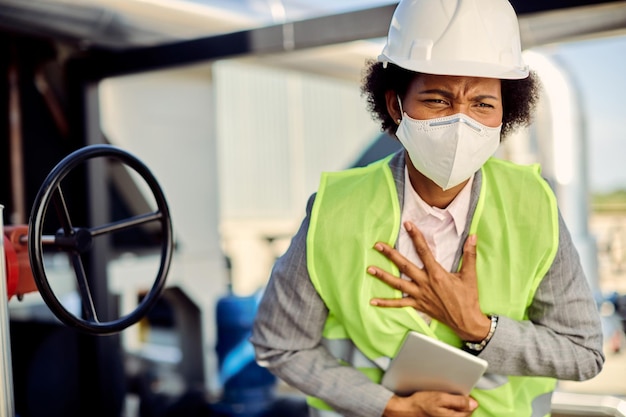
[448, 150]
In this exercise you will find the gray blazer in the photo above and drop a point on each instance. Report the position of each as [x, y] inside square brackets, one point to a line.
[561, 339]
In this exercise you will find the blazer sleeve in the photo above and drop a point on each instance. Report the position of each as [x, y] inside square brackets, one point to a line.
[287, 336]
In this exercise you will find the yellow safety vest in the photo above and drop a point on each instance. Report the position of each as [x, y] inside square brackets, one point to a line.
[516, 221]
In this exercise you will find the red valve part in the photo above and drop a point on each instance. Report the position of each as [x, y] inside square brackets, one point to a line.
[19, 273]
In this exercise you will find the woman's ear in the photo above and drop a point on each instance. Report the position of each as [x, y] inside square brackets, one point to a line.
[393, 106]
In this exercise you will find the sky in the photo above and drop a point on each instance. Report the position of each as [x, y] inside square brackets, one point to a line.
[599, 68]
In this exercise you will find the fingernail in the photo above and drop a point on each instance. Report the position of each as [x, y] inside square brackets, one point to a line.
[408, 226]
[378, 247]
[371, 270]
[472, 239]
[473, 404]
[373, 302]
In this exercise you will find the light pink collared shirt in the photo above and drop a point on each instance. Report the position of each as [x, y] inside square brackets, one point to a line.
[442, 228]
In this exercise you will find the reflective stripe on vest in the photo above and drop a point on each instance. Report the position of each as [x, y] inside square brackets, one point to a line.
[517, 227]
[346, 351]
[316, 412]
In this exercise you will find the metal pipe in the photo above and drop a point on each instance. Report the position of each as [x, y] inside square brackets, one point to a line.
[18, 213]
[55, 108]
[563, 146]
[6, 370]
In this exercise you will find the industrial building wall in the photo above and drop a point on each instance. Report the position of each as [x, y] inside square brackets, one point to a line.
[277, 131]
[238, 148]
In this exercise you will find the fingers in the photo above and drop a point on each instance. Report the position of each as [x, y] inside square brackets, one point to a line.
[392, 302]
[421, 247]
[435, 403]
[463, 403]
[469, 255]
[407, 287]
[457, 405]
[404, 265]
[394, 282]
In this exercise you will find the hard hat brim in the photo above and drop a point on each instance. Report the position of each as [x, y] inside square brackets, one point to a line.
[459, 68]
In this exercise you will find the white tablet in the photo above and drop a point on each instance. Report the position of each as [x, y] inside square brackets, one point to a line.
[427, 364]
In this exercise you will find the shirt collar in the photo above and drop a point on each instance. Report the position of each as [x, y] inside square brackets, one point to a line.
[457, 209]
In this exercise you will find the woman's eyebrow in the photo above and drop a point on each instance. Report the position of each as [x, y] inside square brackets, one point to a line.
[447, 94]
[485, 96]
[439, 91]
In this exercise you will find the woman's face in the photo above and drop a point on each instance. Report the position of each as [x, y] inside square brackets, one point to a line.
[431, 96]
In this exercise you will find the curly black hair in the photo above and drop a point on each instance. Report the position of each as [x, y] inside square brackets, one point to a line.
[519, 97]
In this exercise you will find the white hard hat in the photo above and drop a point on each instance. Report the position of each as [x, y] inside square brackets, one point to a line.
[476, 38]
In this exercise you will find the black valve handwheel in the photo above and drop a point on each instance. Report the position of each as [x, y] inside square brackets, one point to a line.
[78, 240]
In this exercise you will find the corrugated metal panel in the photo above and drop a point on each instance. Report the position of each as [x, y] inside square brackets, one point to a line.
[277, 131]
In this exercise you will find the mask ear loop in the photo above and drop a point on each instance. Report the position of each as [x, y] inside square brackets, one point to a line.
[398, 120]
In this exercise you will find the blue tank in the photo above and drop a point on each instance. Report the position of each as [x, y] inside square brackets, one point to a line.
[248, 389]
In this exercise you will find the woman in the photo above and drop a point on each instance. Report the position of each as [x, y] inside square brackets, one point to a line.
[439, 238]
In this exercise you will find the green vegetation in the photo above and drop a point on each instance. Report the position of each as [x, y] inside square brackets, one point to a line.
[613, 202]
